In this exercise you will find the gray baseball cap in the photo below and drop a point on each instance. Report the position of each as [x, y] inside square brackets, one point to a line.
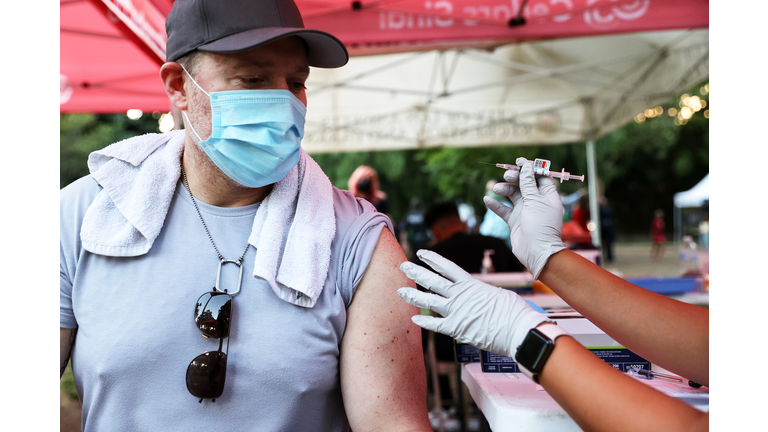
[238, 25]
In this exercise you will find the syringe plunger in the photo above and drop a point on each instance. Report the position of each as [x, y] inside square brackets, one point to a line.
[566, 176]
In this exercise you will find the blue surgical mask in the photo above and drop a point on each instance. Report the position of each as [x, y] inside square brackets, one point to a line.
[256, 134]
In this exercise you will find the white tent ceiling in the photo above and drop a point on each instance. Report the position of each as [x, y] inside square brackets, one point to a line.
[541, 92]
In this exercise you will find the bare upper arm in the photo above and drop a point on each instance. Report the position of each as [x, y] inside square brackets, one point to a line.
[66, 342]
[383, 380]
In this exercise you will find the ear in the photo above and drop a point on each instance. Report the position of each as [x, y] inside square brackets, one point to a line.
[172, 76]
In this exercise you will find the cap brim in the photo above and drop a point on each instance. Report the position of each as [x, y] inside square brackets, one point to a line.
[324, 50]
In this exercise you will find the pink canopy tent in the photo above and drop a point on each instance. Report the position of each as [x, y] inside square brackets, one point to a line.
[111, 49]
[103, 70]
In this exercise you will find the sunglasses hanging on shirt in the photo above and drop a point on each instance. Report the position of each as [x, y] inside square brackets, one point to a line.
[207, 372]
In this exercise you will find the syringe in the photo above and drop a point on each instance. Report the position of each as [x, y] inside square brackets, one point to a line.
[541, 167]
[652, 374]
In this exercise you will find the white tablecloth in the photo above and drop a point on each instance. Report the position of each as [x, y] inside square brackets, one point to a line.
[512, 402]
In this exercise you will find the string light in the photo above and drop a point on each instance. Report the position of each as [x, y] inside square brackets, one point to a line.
[134, 114]
[165, 124]
[689, 105]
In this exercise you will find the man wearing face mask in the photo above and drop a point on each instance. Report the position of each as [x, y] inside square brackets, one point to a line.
[213, 277]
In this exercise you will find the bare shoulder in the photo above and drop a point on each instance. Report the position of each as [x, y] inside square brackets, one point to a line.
[387, 257]
[382, 366]
[376, 298]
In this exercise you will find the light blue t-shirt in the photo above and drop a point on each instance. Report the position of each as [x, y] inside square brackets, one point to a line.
[136, 334]
[495, 226]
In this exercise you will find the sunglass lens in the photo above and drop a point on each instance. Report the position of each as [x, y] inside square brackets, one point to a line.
[212, 314]
[206, 374]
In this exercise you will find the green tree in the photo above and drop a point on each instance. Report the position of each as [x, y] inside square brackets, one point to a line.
[81, 134]
[641, 165]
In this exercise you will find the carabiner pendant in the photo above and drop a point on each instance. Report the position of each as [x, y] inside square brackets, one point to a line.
[218, 276]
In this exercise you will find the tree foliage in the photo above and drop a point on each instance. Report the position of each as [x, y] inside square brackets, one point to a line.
[642, 165]
[81, 134]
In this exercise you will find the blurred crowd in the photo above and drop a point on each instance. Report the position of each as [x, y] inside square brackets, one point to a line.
[423, 227]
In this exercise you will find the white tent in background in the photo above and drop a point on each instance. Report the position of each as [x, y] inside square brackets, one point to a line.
[695, 197]
[537, 92]
[431, 73]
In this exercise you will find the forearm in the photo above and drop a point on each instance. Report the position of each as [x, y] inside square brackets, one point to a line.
[66, 341]
[672, 334]
[600, 398]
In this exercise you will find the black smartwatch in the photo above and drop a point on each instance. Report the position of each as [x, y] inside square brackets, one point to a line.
[538, 344]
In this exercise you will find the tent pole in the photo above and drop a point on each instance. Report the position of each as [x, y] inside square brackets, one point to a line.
[594, 206]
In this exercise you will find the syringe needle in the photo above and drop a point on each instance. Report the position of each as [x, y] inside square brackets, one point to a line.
[503, 166]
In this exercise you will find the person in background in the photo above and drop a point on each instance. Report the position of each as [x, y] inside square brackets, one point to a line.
[570, 201]
[667, 332]
[467, 250]
[580, 213]
[364, 183]
[704, 234]
[493, 225]
[607, 229]
[414, 233]
[658, 238]
[575, 237]
[153, 240]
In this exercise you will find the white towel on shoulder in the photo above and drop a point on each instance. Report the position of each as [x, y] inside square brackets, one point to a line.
[292, 231]
[138, 177]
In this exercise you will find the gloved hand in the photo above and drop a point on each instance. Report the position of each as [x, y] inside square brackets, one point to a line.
[482, 315]
[536, 219]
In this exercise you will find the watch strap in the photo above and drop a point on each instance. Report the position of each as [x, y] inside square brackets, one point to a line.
[551, 331]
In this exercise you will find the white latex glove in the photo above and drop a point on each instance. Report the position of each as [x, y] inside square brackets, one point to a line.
[536, 219]
[482, 315]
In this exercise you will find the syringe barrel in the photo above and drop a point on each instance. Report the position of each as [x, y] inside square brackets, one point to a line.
[544, 172]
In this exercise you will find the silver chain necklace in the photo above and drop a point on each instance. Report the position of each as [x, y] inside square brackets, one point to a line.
[222, 260]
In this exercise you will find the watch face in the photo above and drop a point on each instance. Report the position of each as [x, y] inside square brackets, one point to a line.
[534, 351]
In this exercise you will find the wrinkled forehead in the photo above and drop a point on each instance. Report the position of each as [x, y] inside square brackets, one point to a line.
[290, 52]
